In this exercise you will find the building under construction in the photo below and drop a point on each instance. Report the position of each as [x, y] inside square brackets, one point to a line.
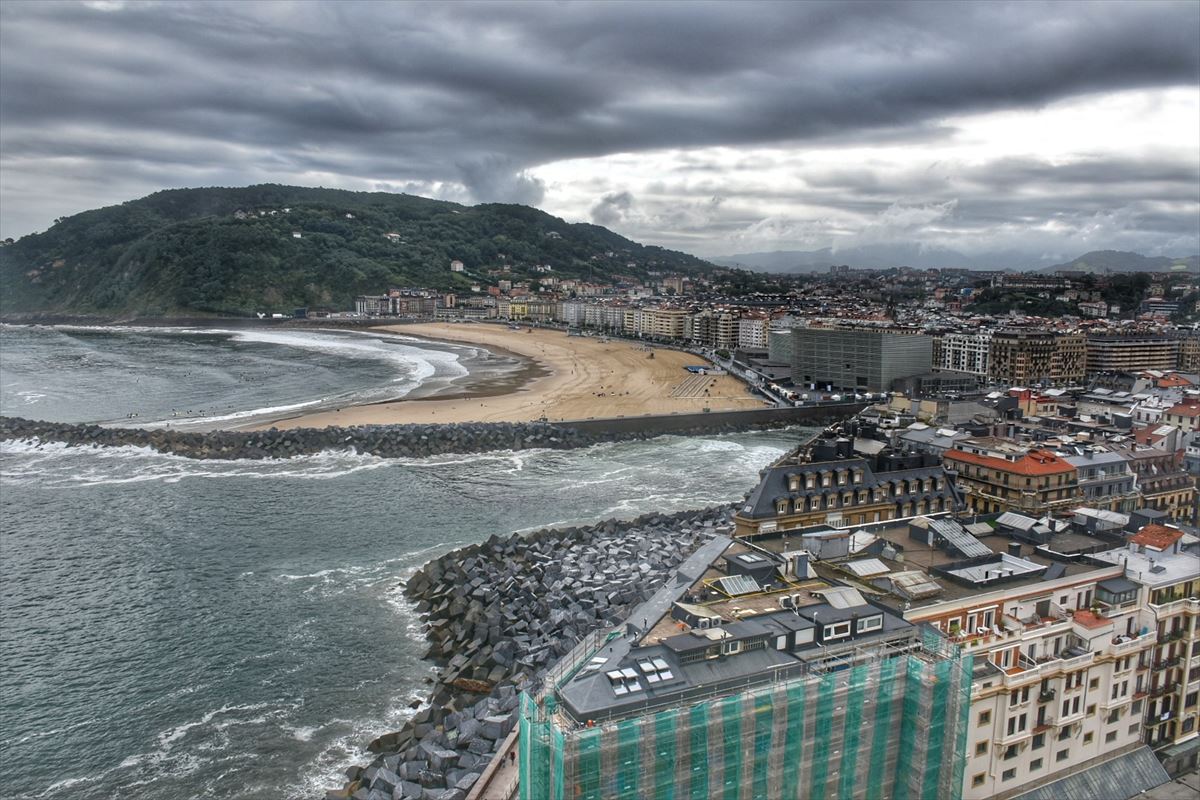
[750, 681]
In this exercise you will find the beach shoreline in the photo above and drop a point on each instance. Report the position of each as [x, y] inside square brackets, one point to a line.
[570, 377]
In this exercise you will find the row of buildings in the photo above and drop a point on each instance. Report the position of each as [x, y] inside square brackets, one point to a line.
[852, 358]
[864, 634]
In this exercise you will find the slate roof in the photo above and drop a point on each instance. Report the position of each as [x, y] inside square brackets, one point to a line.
[775, 484]
[1120, 777]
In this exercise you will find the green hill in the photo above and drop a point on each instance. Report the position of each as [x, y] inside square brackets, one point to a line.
[233, 251]
[1099, 262]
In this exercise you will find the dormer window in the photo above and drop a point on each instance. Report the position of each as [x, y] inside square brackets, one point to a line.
[826, 480]
[811, 483]
[794, 484]
[858, 475]
[781, 507]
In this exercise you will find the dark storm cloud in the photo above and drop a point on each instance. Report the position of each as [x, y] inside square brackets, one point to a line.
[466, 98]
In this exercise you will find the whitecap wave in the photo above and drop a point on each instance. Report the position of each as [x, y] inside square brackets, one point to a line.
[55, 464]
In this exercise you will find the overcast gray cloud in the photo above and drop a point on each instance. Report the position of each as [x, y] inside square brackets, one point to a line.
[705, 126]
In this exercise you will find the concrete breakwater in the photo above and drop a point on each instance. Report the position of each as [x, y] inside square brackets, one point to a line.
[385, 441]
[497, 615]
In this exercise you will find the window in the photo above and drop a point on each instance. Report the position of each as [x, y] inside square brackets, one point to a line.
[981, 748]
[1039, 741]
[1008, 774]
[1062, 755]
[1010, 752]
[870, 624]
[1091, 710]
[1064, 734]
[1134, 728]
[1087, 738]
[985, 717]
[977, 780]
[1110, 737]
[837, 631]
[1136, 708]
[1035, 765]
[1113, 716]
[1094, 683]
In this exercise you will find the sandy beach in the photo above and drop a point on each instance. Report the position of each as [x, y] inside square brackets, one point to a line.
[585, 377]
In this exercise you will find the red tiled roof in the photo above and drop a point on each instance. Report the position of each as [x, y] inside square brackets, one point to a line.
[1185, 409]
[1089, 620]
[1160, 537]
[1035, 462]
[1171, 381]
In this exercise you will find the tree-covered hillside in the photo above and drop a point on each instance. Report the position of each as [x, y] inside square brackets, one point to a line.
[234, 251]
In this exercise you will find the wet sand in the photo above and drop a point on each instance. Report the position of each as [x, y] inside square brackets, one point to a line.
[582, 377]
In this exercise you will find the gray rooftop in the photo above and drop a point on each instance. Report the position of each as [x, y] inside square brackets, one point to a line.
[1118, 778]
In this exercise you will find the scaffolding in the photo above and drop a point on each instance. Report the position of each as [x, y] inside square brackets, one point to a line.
[882, 726]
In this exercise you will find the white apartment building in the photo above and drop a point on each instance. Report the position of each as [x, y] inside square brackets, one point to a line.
[1168, 579]
[1056, 684]
[964, 352]
[753, 332]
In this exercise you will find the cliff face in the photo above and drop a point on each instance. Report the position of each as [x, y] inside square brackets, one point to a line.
[274, 248]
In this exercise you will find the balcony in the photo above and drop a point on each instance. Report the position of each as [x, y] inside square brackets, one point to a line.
[1046, 695]
[1178, 605]
[1167, 663]
[1159, 719]
[1070, 662]
[1124, 645]
[1166, 688]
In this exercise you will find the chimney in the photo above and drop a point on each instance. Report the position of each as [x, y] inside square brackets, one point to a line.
[1014, 549]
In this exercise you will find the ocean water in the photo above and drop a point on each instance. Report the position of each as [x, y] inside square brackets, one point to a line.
[205, 377]
[173, 628]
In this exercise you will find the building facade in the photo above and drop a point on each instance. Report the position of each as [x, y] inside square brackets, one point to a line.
[964, 352]
[1131, 353]
[856, 360]
[1024, 358]
[994, 480]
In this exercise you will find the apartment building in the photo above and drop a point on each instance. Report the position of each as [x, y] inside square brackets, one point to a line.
[1189, 352]
[1184, 415]
[994, 475]
[712, 328]
[964, 352]
[655, 323]
[1161, 481]
[841, 490]
[1167, 577]
[1023, 358]
[1105, 479]
[1131, 352]
[1061, 653]
[752, 332]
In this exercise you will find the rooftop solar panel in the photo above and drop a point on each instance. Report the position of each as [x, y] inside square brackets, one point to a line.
[959, 539]
[735, 585]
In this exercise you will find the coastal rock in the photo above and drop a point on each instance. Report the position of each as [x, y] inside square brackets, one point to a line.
[544, 591]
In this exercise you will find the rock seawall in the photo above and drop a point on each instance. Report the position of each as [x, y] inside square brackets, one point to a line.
[497, 615]
[385, 441]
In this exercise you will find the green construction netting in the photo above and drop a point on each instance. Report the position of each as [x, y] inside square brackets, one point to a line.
[888, 729]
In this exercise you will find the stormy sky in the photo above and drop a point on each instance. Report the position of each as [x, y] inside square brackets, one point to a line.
[1040, 129]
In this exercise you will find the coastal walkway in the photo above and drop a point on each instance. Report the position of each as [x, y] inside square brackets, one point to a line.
[501, 779]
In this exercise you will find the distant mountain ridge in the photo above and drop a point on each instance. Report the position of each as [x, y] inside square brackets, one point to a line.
[1103, 261]
[884, 256]
[239, 250]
